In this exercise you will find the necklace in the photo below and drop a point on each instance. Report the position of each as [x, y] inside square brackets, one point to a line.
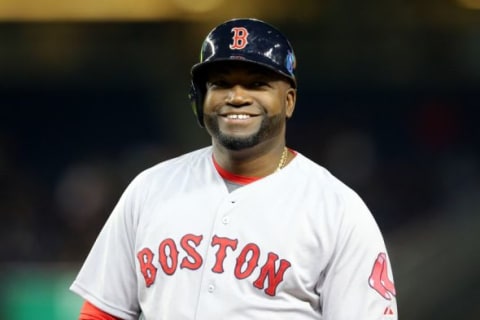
[283, 159]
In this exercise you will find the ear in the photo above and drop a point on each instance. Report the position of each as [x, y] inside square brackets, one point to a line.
[290, 100]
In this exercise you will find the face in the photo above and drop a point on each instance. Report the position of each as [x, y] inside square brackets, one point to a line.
[246, 105]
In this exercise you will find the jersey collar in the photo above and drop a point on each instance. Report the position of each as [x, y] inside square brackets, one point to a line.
[232, 177]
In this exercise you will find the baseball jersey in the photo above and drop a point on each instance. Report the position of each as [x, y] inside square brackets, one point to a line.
[296, 244]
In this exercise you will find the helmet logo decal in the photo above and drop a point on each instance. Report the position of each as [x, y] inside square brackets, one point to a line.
[290, 62]
[240, 36]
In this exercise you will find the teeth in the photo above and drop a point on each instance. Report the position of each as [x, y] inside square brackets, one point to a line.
[238, 116]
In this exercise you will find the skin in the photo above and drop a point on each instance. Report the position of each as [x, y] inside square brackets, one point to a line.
[245, 112]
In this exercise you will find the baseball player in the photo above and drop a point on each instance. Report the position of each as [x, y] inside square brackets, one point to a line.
[246, 228]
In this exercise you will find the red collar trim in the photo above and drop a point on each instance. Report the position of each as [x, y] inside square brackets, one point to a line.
[235, 178]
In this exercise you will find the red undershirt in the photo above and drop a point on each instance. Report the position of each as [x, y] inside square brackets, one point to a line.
[90, 312]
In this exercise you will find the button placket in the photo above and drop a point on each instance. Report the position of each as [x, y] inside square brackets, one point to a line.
[226, 218]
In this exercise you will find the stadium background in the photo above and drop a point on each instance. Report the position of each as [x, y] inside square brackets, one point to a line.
[93, 92]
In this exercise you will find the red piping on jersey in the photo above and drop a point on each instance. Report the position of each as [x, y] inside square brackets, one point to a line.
[235, 178]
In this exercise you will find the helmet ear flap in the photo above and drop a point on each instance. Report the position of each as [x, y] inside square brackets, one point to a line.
[196, 100]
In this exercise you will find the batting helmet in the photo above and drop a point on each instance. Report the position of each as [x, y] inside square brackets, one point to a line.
[248, 40]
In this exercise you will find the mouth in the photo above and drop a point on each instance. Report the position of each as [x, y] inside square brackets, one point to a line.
[238, 121]
[240, 116]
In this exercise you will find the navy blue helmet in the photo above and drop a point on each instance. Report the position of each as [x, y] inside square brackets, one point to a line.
[248, 40]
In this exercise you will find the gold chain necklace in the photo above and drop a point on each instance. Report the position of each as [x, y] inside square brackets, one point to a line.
[283, 159]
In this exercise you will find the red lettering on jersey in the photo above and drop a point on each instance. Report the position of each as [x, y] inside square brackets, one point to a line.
[192, 253]
[149, 271]
[252, 263]
[379, 279]
[223, 244]
[271, 273]
[172, 256]
[274, 278]
[240, 41]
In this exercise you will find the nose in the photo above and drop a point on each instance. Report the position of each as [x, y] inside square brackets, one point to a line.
[238, 96]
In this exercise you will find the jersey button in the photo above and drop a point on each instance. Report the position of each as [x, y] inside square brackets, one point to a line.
[211, 288]
[225, 220]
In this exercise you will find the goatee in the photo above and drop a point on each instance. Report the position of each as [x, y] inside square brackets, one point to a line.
[269, 127]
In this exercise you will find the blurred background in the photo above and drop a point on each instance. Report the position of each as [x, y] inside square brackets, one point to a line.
[93, 92]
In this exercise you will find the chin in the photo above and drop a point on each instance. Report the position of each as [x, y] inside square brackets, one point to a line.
[237, 143]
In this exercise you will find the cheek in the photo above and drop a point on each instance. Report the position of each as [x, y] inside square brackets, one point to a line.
[277, 101]
[277, 105]
[210, 102]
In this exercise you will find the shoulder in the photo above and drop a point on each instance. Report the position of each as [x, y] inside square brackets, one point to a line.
[314, 173]
[175, 170]
[197, 159]
[325, 185]
[341, 206]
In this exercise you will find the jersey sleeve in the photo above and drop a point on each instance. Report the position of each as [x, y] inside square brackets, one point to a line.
[107, 278]
[90, 312]
[358, 284]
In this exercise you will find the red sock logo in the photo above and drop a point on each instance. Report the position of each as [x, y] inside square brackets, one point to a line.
[379, 279]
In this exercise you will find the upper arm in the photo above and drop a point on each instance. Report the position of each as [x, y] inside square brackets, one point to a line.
[108, 277]
[359, 282]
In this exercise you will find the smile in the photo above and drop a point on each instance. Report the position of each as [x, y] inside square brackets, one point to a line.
[238, 116]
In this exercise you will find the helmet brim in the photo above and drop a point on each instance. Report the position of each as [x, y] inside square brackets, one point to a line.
[199, 70]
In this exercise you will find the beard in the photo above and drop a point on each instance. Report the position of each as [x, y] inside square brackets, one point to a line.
[269, 127]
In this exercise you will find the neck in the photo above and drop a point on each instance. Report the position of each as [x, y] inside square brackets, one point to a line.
[258, 161]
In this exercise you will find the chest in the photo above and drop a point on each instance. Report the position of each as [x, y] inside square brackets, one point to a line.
[253, 242]
[237, 232]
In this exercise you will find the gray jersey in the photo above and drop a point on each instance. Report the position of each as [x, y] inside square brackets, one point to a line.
[297, 244]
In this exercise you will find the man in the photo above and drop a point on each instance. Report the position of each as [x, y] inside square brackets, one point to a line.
[246, 228]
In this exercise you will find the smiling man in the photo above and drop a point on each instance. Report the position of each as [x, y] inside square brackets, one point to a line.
[245, 111]
[246, 228]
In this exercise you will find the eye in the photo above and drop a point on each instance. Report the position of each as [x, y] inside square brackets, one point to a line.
[257, 84]
[217, 83]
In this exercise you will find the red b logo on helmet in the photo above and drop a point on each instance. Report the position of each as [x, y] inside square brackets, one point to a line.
[240, 41]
